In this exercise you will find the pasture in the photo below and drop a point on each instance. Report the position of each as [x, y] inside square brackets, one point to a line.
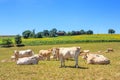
[68, 39]
[49, 70]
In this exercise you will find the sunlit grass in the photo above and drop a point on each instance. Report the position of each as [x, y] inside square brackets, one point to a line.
[73, 39]
[49, 70]
[69, 39]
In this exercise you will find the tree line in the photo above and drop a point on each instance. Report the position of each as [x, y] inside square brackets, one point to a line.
[53, 33]
[45, 33]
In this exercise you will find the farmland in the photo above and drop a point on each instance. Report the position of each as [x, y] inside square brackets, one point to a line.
[74, 39]
[68, 39]
[49, 70]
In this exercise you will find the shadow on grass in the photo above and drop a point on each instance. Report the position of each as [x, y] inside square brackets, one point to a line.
[75, 67]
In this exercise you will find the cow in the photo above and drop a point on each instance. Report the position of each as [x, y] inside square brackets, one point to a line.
[65, 53]
[29, 60]
[45, 53]
[95, 59]
[109, 50]
[23, 53]
[85, 51]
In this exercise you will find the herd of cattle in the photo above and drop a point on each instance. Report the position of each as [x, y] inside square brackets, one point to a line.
[25, 57]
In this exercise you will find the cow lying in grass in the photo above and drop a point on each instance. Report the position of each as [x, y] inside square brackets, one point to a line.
[23, 53]
[95, 59]
[29, 60]
[109, 50]
[65, 53]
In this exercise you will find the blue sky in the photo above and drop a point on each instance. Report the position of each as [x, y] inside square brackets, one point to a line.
[17, 16]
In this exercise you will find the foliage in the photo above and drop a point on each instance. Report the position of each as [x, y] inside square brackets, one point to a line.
[7, 42]
[111, 31]
[89, 32]
[52, 33]
[39, 35]
[18, 39]
[82, 32]
[26, 34]
[46, 33]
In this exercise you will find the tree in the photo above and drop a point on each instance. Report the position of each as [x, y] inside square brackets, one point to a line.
[18, 39]
[32, 34]
[111, 31]
[7, 42]
[53, 32]
[73, 32]
[89, 32]
[69, 33]
[46, 33]
[26, 34]
[39, 35]
[82, 31]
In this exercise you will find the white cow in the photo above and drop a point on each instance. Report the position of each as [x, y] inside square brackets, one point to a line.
[96, 59]
[23, 53]
[29, 60]
[65, 53]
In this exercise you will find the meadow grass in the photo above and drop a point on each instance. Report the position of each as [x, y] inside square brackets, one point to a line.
[69, 39]
[73, 39]
[49, 70]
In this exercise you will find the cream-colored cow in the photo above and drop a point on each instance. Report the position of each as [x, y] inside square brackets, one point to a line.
[29, 60]
[23, 53]
[96, 59]
[45, 53]
[65, 53]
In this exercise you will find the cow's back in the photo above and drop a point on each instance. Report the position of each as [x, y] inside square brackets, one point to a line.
[69, 52]
[25, 53]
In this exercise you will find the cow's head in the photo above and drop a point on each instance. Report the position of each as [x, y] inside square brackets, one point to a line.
[85, 56]
[55, 51]
[38, 57]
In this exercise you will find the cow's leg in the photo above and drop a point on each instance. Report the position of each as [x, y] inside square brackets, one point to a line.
[48, 58]
[76, 63]
[62, 62]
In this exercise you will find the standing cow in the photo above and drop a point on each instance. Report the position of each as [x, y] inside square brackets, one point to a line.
[65, 53]
[45, 53]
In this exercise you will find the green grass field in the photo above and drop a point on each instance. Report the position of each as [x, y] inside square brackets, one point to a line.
[49, 70]
[73, 39]
[69, 39]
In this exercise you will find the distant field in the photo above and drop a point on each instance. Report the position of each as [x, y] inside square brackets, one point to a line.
[70, 39]
[74, 39]
[49, 70]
